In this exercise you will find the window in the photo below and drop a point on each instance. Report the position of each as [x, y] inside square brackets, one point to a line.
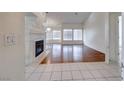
[67, 34]
[53, 35]
[56, 35]
[49, 35]
[77, 34]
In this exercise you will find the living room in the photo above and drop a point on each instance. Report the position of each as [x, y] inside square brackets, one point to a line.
[59, 46]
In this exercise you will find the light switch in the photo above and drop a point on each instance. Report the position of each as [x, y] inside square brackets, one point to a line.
[10, 39]
[13, 39]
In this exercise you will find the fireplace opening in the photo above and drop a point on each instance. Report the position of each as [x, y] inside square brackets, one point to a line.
[39, 47]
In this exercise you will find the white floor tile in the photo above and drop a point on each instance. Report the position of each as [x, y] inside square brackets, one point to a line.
[107, 67]
[73, 71]
[45, 76]
[87, 75]
[114, 66]
[115, 73]
[76, 75]
[66, 68]
[29, 69]
[57, 68]
[74, 67]
[94, 67]
[34, 65]
[41, 68]
[66, 75]
[49, 68]
[90, 79]
[96, 74]
[27, 75]
[100, 79]
[106, 73]
[56, 76]
[34, 77]
[82, 66]
[113, 79]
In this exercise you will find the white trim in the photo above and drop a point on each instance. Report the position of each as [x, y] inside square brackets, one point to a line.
[107, 38]
[123, 45]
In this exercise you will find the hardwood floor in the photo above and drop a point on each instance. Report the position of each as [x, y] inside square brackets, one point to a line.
[73, 53]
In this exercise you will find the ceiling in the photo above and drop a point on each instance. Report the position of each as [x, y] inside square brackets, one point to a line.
[58, 18]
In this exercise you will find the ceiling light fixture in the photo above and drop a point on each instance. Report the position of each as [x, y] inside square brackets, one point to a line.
[48, 29]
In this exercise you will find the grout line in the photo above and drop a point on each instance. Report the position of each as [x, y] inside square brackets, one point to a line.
[31, 73]
[61, 75]
[71, 75]
[41, 75]
[51, 72]
[81, 75]
[50, 75]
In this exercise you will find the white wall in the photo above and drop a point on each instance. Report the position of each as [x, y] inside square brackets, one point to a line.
[94, 31]
[12, 57]
[72, 26]
[113, 36]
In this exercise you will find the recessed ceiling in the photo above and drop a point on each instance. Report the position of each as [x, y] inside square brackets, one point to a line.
[58, 18]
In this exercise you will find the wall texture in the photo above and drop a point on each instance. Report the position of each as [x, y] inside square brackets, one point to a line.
[94, 31]
[12, 57]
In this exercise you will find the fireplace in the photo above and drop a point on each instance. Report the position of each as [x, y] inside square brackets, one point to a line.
[39, 47]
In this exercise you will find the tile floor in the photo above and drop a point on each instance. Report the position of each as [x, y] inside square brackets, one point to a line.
[73, 72]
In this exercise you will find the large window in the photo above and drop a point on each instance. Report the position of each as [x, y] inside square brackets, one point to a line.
[72, 34]
[77, 34]
[67, 34]
[56, 35]
[53, 35]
